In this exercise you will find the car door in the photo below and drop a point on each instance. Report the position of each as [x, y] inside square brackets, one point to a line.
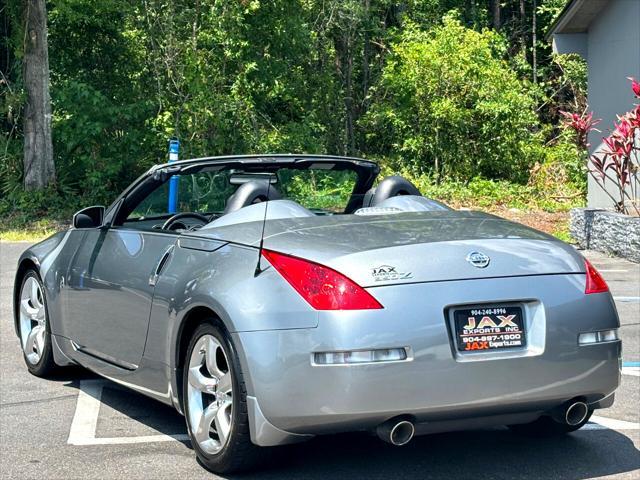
[109, 291]
[111, 277]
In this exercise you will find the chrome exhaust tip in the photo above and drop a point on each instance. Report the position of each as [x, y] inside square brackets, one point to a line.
[396, 432]
[571, 413]
[576, 413]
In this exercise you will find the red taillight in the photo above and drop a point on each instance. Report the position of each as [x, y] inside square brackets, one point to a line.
[322, 287]
[595, 282]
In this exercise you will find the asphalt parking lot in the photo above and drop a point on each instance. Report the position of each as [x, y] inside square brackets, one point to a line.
[79, 426]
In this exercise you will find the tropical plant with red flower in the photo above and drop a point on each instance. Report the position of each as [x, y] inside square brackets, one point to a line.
[582, 125]
[635, 86]
[617, 162]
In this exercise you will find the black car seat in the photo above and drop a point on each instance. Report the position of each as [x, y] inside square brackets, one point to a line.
[251, 192]
[389, 187]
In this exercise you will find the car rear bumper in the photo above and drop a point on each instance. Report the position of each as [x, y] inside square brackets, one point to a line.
[436, 384]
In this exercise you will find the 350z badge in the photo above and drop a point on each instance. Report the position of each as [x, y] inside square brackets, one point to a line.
[386, 273]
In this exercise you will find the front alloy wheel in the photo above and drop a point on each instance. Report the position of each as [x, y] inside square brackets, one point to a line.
[215, 403]
[34, 329]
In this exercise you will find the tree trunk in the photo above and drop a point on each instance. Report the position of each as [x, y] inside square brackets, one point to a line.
[365, 56]
[344, 62]
[39, 169]
[348, 99]
[495, 14]
[471, 13]
[534, 41]
[523, 26]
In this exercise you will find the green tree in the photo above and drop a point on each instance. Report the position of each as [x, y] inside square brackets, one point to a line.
[449, 104]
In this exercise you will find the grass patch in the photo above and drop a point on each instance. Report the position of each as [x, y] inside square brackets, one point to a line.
[563, 234]
[484, 194]
[34, 231]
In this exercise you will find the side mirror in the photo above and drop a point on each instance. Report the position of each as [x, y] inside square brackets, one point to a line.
[90, 217]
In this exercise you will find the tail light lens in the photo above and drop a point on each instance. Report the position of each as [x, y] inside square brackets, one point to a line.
[595, 282]
[322, 287]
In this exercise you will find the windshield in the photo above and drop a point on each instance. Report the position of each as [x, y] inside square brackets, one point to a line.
[214, 190]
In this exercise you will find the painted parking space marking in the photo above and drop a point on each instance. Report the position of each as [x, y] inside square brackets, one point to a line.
[631, 368]
[611, 270]
[85, 420]
[602, 423]
[627, 299]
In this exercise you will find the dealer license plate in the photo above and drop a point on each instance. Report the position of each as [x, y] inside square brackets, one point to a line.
[489, 328]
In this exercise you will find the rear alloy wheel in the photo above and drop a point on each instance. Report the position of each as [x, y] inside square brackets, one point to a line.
[215, 403]
[35, 337]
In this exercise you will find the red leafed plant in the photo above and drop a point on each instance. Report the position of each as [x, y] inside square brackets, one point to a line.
[617, 162]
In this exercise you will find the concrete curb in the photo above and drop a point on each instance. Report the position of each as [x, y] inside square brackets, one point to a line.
[606, 232]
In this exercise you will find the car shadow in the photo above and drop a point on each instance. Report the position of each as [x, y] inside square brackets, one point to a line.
[495, 453]
[71, 373]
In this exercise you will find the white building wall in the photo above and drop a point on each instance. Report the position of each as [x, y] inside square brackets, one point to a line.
[613, 54]
[571, 43]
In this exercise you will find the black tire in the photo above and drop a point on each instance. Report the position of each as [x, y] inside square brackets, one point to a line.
[239, 453]
[45, 365]
[546, 426]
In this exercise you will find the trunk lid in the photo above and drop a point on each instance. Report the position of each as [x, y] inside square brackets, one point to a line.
[412, 247]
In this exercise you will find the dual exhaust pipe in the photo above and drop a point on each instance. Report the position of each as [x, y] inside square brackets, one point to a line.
[399, 432]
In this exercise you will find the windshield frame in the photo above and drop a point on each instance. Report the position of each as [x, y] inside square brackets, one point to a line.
[366, 173]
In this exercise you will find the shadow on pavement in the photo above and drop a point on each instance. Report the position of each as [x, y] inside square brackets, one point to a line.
[494, 453]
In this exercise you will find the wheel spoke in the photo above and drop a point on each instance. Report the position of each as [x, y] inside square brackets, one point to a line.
[31, 344]
[222, 421]
[198, 381]
[35, 301]
[202, 432]
[27, 309]
[211, 358]
[39, 341]
[224, 383]
[40, 316]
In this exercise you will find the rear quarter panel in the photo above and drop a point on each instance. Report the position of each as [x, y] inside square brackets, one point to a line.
[221, 277]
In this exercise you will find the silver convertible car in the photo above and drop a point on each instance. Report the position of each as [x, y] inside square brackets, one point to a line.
[273, 298]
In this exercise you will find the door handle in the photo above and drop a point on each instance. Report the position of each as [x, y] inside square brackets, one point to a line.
[153, 279]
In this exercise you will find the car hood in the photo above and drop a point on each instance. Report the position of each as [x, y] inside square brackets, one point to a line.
[410, 247]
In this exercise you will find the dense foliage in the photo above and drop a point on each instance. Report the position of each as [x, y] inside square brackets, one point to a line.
[450, 104]
[432, 87]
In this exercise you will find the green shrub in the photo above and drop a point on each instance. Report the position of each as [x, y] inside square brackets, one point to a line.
[449, 105]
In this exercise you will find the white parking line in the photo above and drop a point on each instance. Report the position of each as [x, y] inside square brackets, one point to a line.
[634, 371]
[85, 421]
[601, 270]
[627, 299]
[601, 423]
